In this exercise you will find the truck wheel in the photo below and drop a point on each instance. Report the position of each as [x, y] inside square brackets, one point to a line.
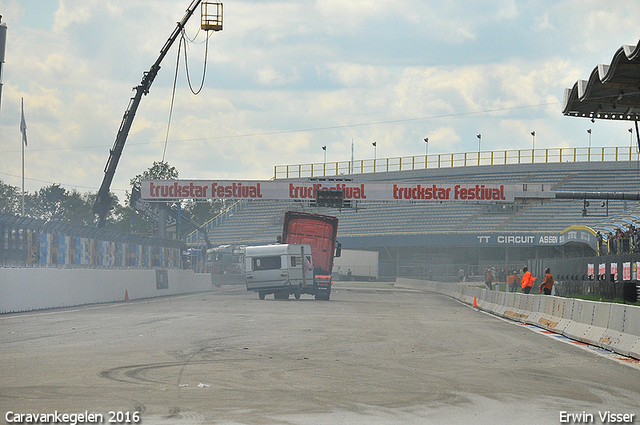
[261, 295]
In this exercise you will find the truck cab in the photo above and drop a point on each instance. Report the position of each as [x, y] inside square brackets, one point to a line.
[281, 270]
[320, 232]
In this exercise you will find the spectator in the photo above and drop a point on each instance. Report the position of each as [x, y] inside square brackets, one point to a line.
[599, 241]
[511, 282]
[488, 279]
[619, 238]
[611, 244]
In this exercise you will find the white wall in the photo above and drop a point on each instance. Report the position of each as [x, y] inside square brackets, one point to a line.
[23, 289]
[361, 263]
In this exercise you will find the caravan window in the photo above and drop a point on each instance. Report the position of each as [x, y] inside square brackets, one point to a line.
[266, 263]
[296, 261]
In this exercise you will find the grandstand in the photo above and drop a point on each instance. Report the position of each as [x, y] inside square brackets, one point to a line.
[438, 237]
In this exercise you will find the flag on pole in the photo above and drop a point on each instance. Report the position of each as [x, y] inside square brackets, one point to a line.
[23, 123]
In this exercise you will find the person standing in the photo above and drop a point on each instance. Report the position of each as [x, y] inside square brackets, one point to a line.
[547, 283]
[512, 281]
[599, 242]
[488, 279]
[527, 280]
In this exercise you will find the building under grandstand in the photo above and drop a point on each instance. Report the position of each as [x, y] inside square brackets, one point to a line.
[438, 238]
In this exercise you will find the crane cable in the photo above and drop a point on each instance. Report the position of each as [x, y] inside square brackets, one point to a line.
[186, 63]
[183, 40]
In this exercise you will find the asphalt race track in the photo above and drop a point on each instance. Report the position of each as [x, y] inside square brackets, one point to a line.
[372, 355]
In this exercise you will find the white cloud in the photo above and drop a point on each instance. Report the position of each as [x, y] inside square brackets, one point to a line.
[270, 77]
[285, 78]
[351, 74]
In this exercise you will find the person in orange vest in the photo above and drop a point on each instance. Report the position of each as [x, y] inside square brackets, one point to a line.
[527, 280]
[488, 279]
[513, 281]
[547, 283]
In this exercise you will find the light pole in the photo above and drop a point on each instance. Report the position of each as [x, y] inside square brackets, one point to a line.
[479, 136]
[324, 149]
[426, 146]
[375, 149]
[589, 131]
[533, 143]
[630, 137]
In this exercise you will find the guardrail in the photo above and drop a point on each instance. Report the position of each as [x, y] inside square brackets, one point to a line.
[194, 237]
[451, 160]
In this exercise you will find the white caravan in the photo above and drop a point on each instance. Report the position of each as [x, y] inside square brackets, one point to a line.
[281, 270]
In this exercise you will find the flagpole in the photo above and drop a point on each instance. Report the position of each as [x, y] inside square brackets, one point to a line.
[23, 130]
[22, 177]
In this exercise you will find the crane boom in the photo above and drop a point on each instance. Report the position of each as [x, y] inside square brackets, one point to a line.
[103, 200]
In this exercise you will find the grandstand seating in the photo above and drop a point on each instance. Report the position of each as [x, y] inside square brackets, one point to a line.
[260, 222]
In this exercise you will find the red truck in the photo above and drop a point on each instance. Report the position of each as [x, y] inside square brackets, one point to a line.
[300, 263]
[319, 231]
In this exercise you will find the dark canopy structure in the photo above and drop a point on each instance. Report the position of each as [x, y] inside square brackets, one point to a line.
[612, 91]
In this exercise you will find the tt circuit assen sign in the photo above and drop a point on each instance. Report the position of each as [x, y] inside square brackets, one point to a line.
[572, 234]
[274, 190]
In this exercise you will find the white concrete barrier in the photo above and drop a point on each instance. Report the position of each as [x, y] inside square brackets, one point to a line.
[567, 312]
[551, 319]
[581, 319]
[537, 308]
[24, 289]
[612, 337]
[615, 327]
[599, 325]
[631, 327]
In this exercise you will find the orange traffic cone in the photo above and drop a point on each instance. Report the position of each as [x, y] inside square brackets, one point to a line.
[126, 295]
[475, 302]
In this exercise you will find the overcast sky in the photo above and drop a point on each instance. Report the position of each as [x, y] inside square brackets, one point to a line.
[285, 78]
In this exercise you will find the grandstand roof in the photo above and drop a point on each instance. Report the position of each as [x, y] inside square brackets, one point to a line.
[612, 91]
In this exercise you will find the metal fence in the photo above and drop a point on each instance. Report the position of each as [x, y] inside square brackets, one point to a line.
[28, 242]
[450, 160]
[607, 276]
